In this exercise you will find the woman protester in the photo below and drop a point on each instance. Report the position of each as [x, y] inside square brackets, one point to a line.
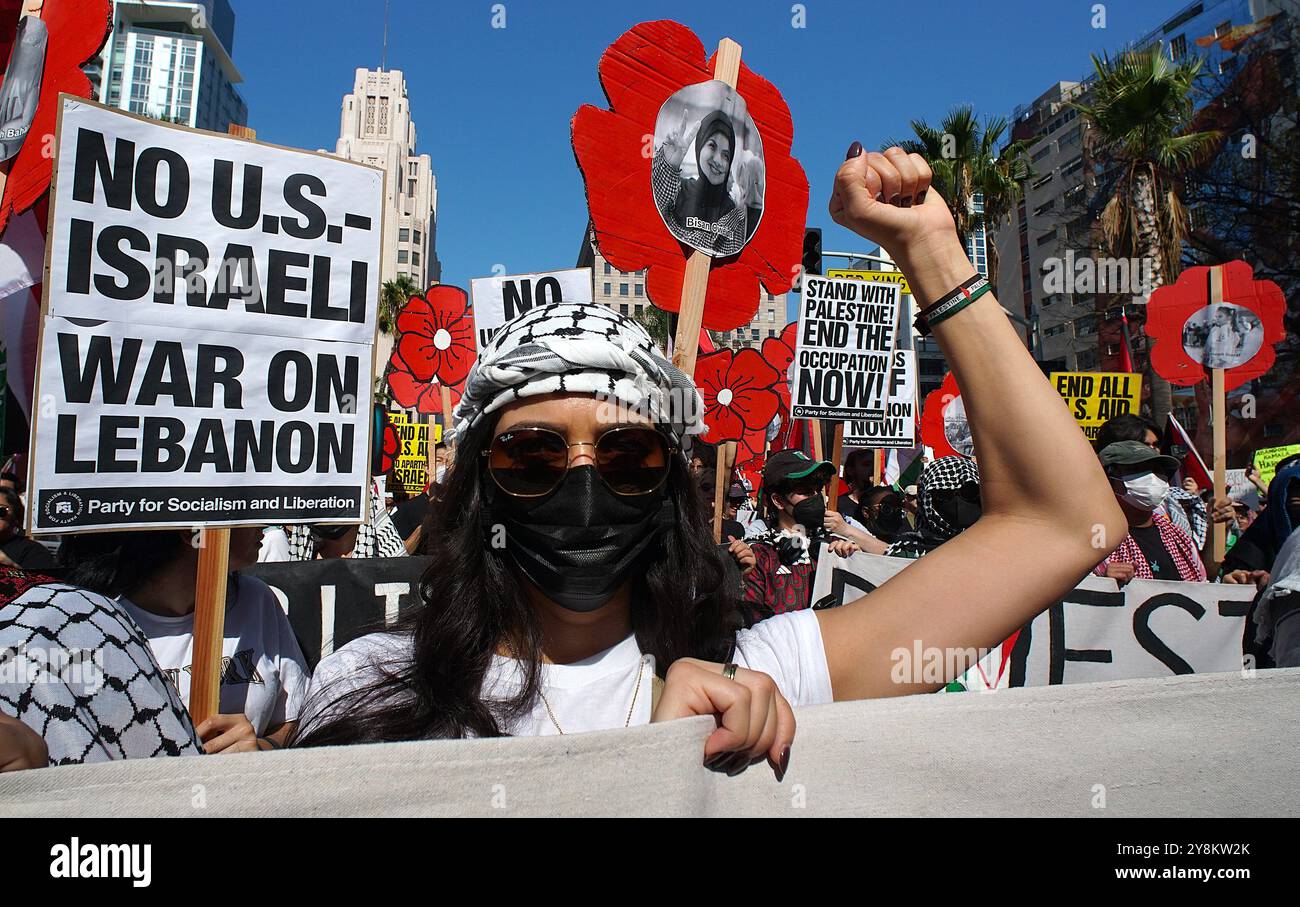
[702, 207]
[16, 549]
[152, 577]
[574, 566]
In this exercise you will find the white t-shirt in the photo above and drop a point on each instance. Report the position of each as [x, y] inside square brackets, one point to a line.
[275, 546]
[597, 693]
[264, 675]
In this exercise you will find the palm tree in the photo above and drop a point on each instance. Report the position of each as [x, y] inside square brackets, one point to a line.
[396, 293]
[967, 163]
[1138, 110]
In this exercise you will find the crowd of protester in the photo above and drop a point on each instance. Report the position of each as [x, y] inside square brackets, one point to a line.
[611, 601]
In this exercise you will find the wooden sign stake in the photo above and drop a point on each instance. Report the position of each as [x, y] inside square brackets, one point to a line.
[447, 410]
[837, 451]
[209, 622]
[819, 443]
[721, 483]
[695, 283]
[1218, 405]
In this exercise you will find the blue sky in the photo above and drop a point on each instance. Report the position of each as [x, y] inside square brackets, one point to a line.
[492, 105]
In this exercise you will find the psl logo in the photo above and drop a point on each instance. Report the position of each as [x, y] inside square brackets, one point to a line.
[63, 507]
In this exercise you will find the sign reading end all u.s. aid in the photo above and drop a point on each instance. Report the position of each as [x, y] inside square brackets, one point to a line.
[207, 345]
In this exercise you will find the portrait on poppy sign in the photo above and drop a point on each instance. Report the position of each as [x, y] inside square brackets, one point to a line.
[707, 174]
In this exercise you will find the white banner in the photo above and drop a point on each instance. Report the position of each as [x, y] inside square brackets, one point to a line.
[1099, 632]
[500, 299]
[157, 224]
[842, 349]
[898, 427]
[224, 374]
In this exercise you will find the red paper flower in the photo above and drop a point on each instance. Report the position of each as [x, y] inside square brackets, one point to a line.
[1189, 337]
[392, 444]
[740, 399]
[434, 348]
[77, 29]
[640, 71]
[943, 421]
[779, 353]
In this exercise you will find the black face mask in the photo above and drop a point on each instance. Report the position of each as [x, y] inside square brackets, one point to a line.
[810, 513]
[960, 509]
[581, 542]
[886, 524]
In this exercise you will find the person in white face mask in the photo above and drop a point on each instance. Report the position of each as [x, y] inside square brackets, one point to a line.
[1154, 548]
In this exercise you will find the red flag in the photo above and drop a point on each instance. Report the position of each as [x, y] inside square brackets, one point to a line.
[1125, 353]
[706, 342]
[1193, 465]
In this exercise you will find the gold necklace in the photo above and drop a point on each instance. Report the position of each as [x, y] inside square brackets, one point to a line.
[640, 670]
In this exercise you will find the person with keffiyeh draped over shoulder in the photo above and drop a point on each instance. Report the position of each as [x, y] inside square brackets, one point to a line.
[786, 552]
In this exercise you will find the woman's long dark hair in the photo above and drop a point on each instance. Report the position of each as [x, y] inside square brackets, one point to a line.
[683, 605]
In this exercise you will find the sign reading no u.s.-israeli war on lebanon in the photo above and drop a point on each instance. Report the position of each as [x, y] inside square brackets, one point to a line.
[842, 350]
[898, 427]
[499, 299]
[1094, 397]
[207, 343]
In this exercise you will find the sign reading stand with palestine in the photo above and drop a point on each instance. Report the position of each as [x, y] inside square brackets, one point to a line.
[1094, 397]
[497, 300]
[898, 427]
[207, 342]
[842, 350]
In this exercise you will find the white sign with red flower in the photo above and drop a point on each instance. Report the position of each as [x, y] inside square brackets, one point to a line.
[500, 299]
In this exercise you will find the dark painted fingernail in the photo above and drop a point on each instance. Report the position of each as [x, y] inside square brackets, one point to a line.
[716, 760]
[880, 197]
[854, 150]
[920, 199]
[907, 202]
[785, 764]
[893, 199]
[738, 765]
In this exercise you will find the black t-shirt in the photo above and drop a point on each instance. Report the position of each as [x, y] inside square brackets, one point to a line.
[409, 515]
[1158, 557]
[28, 554]
[847, 506]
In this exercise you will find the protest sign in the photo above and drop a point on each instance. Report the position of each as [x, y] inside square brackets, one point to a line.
[497, 300]
[152, 223]
[333, 601]
[1241, 489]
[1094, 397]
[944, 426]
[843, 347]
[876, 276]
[1267, 458]
[181, 403]
[898, 427]
[1096, 632]
[411, 464]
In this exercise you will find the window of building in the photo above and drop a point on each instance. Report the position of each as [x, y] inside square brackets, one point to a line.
[1222, 28]
[1044, 207]
[1072, 137]
[403, 234]
[1085, 325]
[1055, 330]
[402, 256]
[414, 168]
[1046, 238]
[640, 289]
[1073, 167]
[416, 235]
[622, 289]
[1043, 180]
[753, 334]
[1087, 360]
[410, 188]
[607, 267]
[415, 258]
[1178, 47]
[622, 309]
[1042, 152]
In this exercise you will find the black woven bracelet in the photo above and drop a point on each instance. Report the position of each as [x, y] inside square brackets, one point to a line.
[957, 298]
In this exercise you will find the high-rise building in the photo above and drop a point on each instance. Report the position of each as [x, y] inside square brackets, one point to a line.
[172, 61]
[377, 129]
[625, 293]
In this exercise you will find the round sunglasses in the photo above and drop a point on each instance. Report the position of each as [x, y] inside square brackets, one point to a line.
[532, 462]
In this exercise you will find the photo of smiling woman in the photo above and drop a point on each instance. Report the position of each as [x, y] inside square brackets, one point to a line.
[708, 173]
[575, 584]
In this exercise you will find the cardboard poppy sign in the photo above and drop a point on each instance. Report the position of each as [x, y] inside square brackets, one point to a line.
[944, 426]
[740, 399]
[1191, 334]
[433, 350]
[689, 174]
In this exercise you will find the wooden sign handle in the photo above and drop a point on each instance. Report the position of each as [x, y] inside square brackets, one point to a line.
[209, 622]
[447, 410]
[695, 283]
[1218, 406]
[837, 451]
[819, 443]
[721, 483]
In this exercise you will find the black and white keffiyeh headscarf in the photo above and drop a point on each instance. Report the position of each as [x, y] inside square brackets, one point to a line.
[932, 530]
[579, 348]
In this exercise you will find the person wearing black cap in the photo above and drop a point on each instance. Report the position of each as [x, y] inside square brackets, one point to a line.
[1154, 548]
[786, 553]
